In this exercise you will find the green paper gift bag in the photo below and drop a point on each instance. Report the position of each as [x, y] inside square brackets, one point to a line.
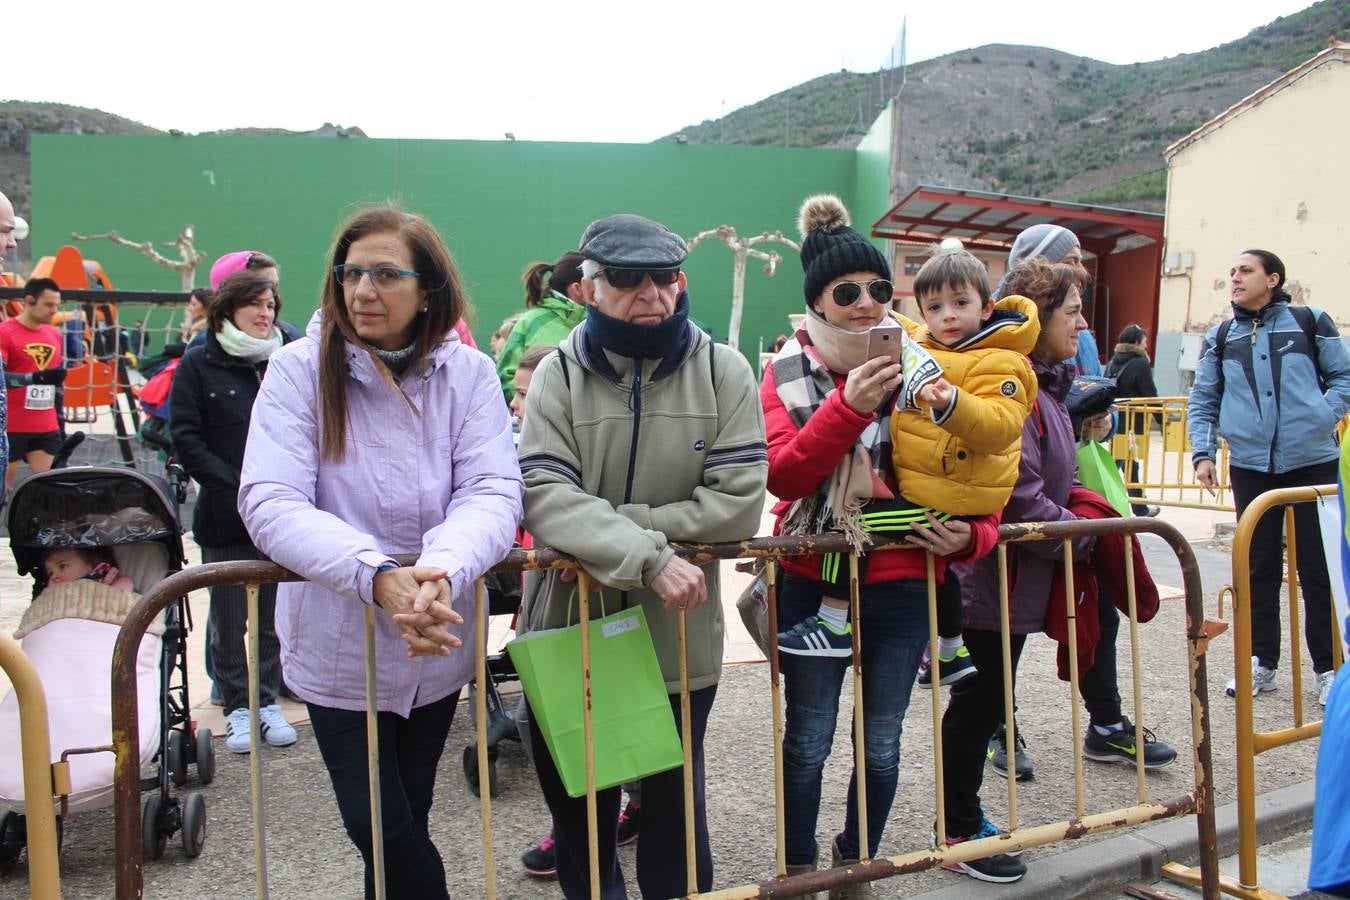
[635, 733]
[1097, 471]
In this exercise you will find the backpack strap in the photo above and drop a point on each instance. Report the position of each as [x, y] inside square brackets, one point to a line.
[566, 373]
[1220, 341]
[1307, 318]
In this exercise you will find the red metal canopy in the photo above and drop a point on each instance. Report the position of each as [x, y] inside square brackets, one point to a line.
[988, 221]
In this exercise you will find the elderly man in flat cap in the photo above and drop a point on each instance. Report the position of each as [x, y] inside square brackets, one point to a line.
[641, 432]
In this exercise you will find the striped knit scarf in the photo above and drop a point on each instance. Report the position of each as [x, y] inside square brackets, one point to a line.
[803, 379]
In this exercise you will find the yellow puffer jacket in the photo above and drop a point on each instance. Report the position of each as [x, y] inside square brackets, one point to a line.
[965, 461]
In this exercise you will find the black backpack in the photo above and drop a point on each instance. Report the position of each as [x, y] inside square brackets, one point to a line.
[1306, 317]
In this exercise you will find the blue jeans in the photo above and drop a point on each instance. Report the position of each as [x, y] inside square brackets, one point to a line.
[894, 633]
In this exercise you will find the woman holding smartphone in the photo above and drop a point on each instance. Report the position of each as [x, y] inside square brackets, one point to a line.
[827, 403]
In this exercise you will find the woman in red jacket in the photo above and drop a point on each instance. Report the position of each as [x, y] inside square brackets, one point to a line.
[826, 410]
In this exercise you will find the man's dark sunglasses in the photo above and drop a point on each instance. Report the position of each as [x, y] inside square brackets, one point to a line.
[631, 278]
[848, 292]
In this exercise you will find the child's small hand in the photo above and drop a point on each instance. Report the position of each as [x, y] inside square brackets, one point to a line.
[937, 394]
[110, 575]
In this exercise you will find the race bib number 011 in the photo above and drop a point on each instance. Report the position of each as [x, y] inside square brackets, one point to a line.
[39, 396]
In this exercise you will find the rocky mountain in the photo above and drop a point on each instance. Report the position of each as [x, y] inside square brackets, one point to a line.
[1028, 120]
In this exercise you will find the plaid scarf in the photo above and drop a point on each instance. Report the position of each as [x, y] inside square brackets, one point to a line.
[802, 376]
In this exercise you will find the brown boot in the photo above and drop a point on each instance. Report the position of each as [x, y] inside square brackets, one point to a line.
[849, 891]
[803, 869]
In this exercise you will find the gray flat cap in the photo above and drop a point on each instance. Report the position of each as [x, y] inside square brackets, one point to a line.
[626, 241]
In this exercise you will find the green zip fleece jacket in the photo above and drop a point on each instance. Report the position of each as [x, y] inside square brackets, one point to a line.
[547, 323]
[616, 470]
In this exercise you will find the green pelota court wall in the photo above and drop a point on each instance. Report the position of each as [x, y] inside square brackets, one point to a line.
[499, 205]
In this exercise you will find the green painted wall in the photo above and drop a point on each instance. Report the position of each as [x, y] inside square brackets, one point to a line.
[499, 205]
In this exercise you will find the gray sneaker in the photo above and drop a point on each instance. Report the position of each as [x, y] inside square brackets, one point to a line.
[1263, 680]
[1324, 682]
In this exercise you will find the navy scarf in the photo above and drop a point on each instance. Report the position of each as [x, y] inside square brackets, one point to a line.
[667, 341]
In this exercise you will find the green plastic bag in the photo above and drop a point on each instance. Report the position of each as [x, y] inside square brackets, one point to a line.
[635, 733]
[1097, 471]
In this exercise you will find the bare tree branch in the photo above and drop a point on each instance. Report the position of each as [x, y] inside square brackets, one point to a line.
[186, 265]
[742, 249]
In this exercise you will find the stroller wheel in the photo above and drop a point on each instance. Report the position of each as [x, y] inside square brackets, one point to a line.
[194, 824]
[173, 758]
[471, 770]
[152, 838]
[206, 756]
[11, 840]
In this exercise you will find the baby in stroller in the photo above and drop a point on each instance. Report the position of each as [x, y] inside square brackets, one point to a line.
[93, 564]
[92, 537]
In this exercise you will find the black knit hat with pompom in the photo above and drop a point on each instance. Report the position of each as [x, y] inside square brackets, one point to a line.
[831, 248]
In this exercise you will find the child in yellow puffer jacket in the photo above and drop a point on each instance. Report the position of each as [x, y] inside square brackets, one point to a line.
[960, 455]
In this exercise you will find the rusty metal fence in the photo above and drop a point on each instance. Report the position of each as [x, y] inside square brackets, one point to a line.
[1199, 802]
[1251, 742]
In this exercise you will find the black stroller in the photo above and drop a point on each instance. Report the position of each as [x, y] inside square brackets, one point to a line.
[135, 516]
[504, 593]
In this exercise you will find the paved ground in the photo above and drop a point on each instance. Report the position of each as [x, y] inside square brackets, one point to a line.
[307, 848]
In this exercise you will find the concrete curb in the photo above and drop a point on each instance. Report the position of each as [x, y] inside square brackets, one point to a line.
[1106, 866]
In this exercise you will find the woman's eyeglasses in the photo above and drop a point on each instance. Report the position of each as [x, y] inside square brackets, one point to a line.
[385, 278]
[631, 278]
[846, 293]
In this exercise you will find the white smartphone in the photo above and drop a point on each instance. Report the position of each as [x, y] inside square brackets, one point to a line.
[884, 340]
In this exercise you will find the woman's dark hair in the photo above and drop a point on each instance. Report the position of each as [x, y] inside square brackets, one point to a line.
[1045, 283]
[1271, 264]
[240, 289]
[257, 260]
[443, 298]
[558, 276]
[1132, 334]
[202, 295]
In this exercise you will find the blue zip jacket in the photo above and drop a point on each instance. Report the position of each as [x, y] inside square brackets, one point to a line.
[1273, 411]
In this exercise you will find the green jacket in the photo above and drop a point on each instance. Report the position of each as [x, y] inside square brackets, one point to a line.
[612, 480]
[548, 323]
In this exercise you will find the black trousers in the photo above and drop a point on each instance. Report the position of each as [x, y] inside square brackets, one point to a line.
[949, 606]
[660, 853]
[975, 710]
[410, 750]
[229, 622]
[1267, 562]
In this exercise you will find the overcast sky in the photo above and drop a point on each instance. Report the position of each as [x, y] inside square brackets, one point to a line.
[575, 71]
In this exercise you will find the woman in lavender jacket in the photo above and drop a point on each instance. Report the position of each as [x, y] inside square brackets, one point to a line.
[378, 434]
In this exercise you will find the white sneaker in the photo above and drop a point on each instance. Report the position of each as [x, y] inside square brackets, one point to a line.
[1324, 682]
[1263, 680]
[275, 729]
[237, 731]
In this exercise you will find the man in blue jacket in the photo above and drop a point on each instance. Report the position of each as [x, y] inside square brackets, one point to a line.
[1274, 381]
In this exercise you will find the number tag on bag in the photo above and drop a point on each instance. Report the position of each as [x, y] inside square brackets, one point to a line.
[39, 396]
[620, 626]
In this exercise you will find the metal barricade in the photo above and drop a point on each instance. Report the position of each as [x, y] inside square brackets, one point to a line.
[42, 779]
[1250, 742]
[1157, 459]
[1200, 802]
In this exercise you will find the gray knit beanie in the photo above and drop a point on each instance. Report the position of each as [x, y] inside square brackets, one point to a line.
[1051, 242]
[831, 248]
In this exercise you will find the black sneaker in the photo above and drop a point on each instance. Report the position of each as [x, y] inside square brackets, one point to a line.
[998, 754]
[814, 637]
[628, 823]
[1000, 868]
[541, 861]
[1118, 746]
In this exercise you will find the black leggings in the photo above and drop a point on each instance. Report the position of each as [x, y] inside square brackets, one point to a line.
[1267, 563]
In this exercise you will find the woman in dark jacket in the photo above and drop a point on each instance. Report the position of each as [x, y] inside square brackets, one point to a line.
[1045, 476]
[213, 393]
[1133, 372]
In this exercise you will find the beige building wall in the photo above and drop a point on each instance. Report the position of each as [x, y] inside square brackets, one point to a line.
[1274, 175]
